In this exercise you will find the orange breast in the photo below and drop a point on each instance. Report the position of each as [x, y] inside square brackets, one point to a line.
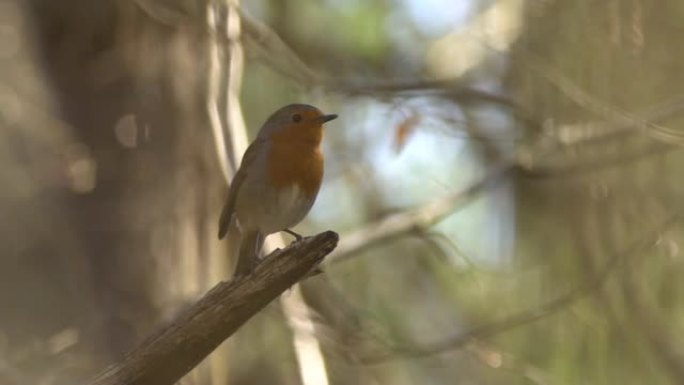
[296, 163]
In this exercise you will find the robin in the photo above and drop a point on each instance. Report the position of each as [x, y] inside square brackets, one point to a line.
[278, 180]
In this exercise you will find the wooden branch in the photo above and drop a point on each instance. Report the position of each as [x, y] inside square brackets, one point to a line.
[180, 346]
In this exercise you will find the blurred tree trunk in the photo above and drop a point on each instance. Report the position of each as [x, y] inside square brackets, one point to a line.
[584, 64]
[113, 256]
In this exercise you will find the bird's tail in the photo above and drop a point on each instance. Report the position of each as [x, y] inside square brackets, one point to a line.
[250, 246]
[226, 218]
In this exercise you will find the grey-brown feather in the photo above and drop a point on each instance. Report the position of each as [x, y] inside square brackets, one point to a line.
[229, 207]
[248, 256]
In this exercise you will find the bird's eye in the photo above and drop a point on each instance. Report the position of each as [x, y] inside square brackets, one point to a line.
[296, 118]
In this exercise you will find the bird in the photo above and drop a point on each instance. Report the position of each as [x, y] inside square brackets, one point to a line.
[277, 181]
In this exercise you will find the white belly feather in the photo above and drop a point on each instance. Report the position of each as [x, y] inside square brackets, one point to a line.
[273, 211]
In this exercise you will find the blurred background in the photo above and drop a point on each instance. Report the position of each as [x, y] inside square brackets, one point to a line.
[503, 175]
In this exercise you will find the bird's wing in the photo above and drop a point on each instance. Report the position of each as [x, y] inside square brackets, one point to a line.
[229, 207]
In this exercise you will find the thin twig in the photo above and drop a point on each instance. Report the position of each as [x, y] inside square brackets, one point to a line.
[620, 120]
[236, 64]
[416, 219]
[531, 315]
[267, 44]
[585, 166]
[421, 217]
[665, 344]
[226, 162]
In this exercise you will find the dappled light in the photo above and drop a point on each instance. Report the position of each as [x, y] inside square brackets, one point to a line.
[504, 177]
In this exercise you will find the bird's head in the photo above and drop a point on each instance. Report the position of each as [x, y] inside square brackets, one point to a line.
[298, 123]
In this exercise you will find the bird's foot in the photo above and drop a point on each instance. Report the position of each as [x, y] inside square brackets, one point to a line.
[315, 271]
[298, 237]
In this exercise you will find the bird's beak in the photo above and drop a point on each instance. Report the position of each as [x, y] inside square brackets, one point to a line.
[327, 118]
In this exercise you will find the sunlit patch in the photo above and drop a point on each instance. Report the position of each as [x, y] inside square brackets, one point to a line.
[493, 359]
[489, 357]
[62, 341]
[435, 17]
[404, 130]
[672, 248]
[468, 46]
[81, 169]
[126, 131]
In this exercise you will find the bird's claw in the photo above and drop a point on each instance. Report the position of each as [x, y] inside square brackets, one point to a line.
[298, 237]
